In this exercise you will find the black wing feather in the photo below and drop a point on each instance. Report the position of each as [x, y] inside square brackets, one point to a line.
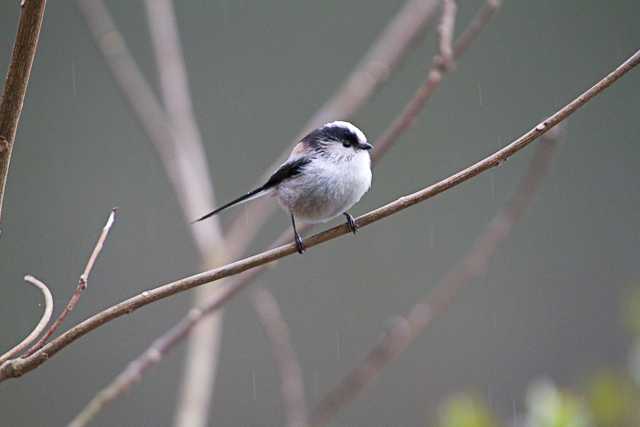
[286, 171]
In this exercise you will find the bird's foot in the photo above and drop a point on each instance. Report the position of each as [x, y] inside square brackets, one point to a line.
[351, 223]
[299, 244]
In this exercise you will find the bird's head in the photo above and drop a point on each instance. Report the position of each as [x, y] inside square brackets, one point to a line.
[337, 140]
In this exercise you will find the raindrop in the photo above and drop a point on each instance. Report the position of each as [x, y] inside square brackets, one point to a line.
[253, 385]
[74, 78]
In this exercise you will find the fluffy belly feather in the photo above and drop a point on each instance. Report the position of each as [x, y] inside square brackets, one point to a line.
[325, 190]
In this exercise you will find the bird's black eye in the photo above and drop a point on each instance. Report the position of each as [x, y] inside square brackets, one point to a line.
[346, 144]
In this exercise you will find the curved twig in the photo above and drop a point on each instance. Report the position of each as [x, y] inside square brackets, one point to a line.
[15, 87]
[42, 324]
[474, 265]
[82, 284]
[17, 367]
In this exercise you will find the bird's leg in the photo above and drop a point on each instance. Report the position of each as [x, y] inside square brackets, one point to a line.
[351, 223]
[298, 239]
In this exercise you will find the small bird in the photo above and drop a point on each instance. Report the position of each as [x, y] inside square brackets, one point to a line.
[327, 173]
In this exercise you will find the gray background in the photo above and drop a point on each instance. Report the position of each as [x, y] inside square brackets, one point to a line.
[548, 307]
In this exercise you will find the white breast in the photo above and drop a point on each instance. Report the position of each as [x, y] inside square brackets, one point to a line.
[327, 188]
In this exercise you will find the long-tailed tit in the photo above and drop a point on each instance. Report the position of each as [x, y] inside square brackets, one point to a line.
[326, 173]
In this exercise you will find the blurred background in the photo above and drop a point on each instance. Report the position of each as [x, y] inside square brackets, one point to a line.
[550, 306]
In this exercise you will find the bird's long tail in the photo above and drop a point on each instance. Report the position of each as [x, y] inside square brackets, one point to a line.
[257, 193]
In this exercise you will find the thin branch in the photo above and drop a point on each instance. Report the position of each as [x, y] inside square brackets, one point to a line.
[291, 384]
[42, 324]
[445, 32]
[382, 58]
[17, 367]
[434, 76]
[473, 266]
[82, 284]
[15, 87]
[134, 371]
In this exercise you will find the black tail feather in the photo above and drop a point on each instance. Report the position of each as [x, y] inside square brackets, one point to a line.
[231, 203]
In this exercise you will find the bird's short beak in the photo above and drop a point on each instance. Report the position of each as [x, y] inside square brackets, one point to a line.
[365, 146]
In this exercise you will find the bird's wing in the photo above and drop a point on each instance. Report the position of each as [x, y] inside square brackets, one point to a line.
[288, 170]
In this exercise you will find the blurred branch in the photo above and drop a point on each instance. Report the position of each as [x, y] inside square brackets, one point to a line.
[17, 367]
[15, 86]
[434, 76]
[445, 32]
[133, 372]
[291, 384]
[473, 266]
[201, 359]
[176, 137]
[42, 324]
[382, 58]
[82, 284]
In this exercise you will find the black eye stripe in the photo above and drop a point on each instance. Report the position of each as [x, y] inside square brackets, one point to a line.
[340, 134]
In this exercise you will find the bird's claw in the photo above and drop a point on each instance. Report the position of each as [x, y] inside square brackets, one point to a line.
[299, 244]
[351, 223]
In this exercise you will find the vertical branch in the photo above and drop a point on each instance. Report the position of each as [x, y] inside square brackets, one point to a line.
[291, 384]
[445, 32]
[471, 267]
[177, 139]
[15, 87]
[190, 159]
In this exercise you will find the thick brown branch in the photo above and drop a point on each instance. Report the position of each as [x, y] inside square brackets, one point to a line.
[473, 266]
[82, 284]
[18, 367]
[15, 87]
[42, 323]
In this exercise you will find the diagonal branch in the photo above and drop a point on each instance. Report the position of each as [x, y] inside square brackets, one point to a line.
[82, 284]
[15, 87]
[42, 324]
[17, 367]
[473, 266]
[434, 76]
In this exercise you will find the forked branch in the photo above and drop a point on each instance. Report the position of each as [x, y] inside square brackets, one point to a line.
[82, 284]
